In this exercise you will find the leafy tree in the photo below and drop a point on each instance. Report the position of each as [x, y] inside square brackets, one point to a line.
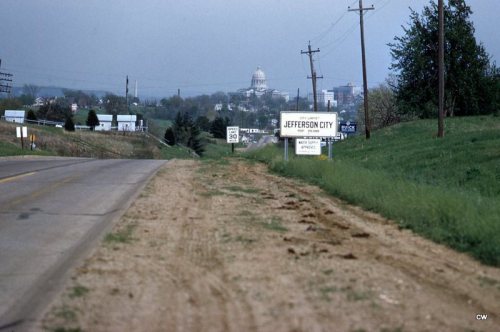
[54, 112]
[80, 97]
[69, 125]
[10, 104]
[186, 132]
[383, 108]
[415, 60]
[218, 127]
[169, 136]
[203, 123]
[31, 115]
[26, 100]
[115, 104]
[92, 120]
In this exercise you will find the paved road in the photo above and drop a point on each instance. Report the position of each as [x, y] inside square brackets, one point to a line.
[51, 212]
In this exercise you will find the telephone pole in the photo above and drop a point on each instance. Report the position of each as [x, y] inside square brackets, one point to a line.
[126, 90]
[441, 69]
[313, 76]
[5, 81]
[363, 59]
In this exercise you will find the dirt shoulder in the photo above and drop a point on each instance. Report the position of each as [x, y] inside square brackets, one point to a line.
[225, 246]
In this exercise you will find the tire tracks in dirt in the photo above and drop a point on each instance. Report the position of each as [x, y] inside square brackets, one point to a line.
[226, 246]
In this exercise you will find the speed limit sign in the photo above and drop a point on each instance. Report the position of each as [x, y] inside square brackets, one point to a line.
[233, 134]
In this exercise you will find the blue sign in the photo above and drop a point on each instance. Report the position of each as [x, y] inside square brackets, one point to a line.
[348, 127]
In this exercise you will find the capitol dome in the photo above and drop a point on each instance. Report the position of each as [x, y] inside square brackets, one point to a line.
[259, 80]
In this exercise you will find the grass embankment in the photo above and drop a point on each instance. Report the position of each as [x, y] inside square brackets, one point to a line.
[58, 142]
[445, 189]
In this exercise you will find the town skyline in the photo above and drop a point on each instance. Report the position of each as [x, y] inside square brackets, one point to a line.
[202, 48]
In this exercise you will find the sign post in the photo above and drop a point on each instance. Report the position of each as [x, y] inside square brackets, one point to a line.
[32, 141]
[286, 149]
[232, 136]
[330, 149]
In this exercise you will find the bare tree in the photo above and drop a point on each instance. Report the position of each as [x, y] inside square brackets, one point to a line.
[31, 90]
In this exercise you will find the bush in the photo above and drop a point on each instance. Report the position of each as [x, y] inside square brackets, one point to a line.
[69, 125]
[169, 136]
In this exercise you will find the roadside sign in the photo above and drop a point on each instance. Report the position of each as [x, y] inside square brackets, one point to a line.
[23, 131]
[308, 124]
[348, 127]
[233, 134]
[307, 146]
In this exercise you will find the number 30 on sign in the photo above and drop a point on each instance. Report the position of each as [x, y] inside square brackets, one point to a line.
[233, 134]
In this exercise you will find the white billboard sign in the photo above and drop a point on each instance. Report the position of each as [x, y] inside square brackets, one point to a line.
[308, 124]
[233, 134]
[307, 146]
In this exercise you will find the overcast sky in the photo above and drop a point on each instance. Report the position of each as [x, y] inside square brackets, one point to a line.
[204, 46]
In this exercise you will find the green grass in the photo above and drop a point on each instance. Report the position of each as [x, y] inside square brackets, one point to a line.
[216, 148]
[120, 236]
[9, 149]
[78, 291]
[445, 189]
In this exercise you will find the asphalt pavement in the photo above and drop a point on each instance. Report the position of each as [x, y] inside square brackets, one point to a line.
[52, 211]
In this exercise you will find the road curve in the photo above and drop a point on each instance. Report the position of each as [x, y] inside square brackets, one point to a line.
[52, 210]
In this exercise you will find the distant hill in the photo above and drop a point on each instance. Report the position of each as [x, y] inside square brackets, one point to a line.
[52, 91]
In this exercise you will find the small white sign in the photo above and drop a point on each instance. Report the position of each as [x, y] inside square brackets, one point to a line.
[308, 124]
[23, 130]
[307, 146]
[233, 134]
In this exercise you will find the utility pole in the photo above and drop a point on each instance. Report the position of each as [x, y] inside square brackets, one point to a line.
[297, 103]
[313, 76]
[5, 81]
[441, 69]
[126, 92]
[363, 59]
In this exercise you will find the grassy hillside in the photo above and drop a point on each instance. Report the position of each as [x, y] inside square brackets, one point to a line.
[58, 142]
[446, 189]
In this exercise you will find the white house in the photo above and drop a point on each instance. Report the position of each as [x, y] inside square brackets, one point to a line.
[104, 122]
[14, 116]
[126, 122]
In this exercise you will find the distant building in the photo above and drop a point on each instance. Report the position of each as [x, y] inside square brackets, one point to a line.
[39, 101]
[324, 96]
[346, 94]
[14, 116]
[105, 121]
[259, 88]
[126, 122]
